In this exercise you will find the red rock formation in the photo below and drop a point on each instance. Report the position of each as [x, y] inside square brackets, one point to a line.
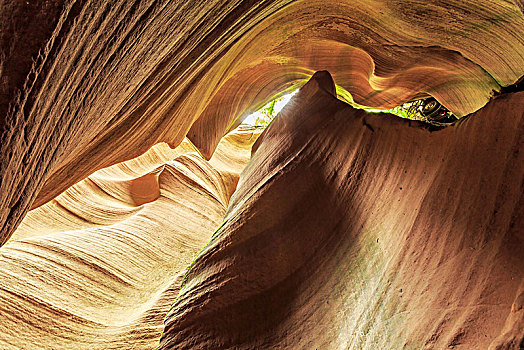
[347, 230]
[352, 230]
[114, 78]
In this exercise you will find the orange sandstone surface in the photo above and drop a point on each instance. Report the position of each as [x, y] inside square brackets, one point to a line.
[89, 83]
[93, 269]
[134, 214]
[353, 230]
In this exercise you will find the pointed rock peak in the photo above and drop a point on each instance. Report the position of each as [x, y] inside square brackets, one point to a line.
[324, 81]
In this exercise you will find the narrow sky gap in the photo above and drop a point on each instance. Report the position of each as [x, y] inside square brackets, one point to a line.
[410, 110]
[257, 118]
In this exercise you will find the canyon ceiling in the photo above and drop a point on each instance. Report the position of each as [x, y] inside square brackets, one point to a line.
[127, 192]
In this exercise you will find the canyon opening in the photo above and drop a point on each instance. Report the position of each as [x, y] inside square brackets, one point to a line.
[261, 174]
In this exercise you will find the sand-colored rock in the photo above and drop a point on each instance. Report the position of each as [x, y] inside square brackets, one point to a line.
[102, 270]
[346, 230]
[357, 231]
[114, 78]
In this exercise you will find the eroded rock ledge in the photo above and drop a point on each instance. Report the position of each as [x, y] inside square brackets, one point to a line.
[351, 230]
[99, 266]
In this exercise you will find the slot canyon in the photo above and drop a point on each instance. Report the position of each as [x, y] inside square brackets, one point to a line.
[138, 211]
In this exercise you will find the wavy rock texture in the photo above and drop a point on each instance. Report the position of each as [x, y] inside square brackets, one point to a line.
[112, 78]
[350, 230]
[346, 230]
[99, 266]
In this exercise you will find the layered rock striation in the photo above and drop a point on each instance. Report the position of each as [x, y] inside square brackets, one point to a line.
[108, 80]
[99, 266]
[352, 230]
[346, 229]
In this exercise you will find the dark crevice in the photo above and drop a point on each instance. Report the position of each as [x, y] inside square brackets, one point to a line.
[518, 86]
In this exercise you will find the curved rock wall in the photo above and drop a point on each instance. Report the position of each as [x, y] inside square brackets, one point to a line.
[113, 78]
[98, 267]
[347, 230]
[357, 231]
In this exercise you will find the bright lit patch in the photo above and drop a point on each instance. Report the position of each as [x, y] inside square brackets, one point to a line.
[265, 115]
[427, 110]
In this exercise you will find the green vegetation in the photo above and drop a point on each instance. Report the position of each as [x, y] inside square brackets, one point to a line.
[404, 111]
[267, 113]
[410, 110]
